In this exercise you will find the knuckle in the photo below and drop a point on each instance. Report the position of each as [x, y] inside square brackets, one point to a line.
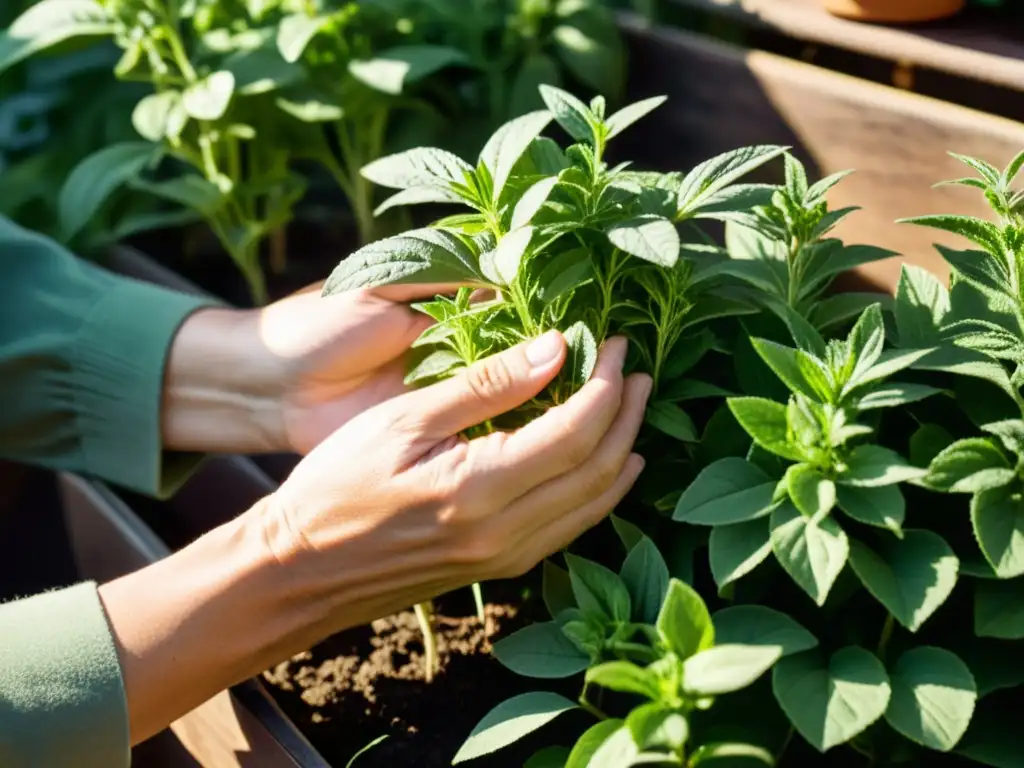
[484, 551]
[490, 378]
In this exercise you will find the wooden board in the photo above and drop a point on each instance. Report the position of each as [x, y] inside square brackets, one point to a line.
[722, 97]
[972, 45]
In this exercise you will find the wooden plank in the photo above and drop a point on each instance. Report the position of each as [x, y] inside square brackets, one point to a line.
[972, 45]
[722, 97]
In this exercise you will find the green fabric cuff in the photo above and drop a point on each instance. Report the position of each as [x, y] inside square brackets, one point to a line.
[62, 700]
[118, 368]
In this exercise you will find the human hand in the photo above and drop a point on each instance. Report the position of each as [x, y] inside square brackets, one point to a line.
[394, 508]
[389, 511]
[284, 377]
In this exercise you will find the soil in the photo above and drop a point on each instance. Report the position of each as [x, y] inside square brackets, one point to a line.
[370, 681]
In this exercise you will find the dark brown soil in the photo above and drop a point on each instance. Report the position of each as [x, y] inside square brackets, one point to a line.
[369, 681]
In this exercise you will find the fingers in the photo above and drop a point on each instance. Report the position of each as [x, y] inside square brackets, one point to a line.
[600, 470]
[560, 530]
[565, 436]
[483, 391]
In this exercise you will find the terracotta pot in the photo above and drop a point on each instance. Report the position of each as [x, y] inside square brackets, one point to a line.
[894, 11]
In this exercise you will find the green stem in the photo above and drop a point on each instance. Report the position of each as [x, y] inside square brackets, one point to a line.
[883, 641]
[424, 613]
[785, 745]
[478, 598]
[588, 707]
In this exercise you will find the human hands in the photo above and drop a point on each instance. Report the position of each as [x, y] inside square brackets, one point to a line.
[394, 508]
[284, 377]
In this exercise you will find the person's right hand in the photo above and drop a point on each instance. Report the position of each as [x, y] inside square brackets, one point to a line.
[394, 509]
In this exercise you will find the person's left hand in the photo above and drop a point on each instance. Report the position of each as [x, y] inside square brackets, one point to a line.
[286, 376]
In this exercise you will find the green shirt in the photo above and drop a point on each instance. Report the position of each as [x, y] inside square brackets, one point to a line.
[82, 356]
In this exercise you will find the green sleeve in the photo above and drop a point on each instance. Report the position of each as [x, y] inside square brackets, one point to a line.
[82, 354]
[62, 699]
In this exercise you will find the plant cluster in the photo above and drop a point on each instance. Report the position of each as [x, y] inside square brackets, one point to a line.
[238, 94]
[845, 466]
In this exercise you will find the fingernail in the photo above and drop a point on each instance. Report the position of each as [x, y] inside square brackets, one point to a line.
[544, 349]
[648, 386]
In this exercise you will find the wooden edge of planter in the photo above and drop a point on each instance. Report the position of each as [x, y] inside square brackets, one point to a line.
[239, 727]
[722, 96]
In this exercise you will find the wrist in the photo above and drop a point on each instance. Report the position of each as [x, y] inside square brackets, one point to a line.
[211, 615]
[223, 387]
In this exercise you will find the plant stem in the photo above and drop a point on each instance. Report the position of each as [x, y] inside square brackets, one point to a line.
[883, 641]
[588, 707]
[478, 598]
[279, 251]
[785, 745]
[424, 615]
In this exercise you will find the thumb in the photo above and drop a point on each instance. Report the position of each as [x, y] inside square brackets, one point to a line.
[487, 388]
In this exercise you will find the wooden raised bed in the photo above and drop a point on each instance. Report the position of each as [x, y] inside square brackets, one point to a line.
[973, 45]
[722, 97]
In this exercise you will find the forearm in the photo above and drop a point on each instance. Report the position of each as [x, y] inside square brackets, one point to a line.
[217, 612]
[222, 387]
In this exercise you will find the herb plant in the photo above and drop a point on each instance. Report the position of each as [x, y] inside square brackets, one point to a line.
[856, 458]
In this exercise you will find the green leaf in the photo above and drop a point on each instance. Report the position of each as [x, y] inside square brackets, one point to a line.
[797, 369]
[980, 232]
[727, 668]
[759, 625]
[295, 32]
[309, 108]
[208, 99]
[831, 703]
[871, 466]
[625, 117]
[655, 726]
[731, 490]
[994, 739]
[591, 51]
[969, 466]
[651, 238]
[92, 182]
[890, 362]
[731, 753]
[893, 394]
[391, 71]
[1010, 432]
[927, 442]
[999, 609]
[672, 420]
[510, 721]
[625, 677]
[152, 114]
[190, 191]
[912, 577]
[979, 269]
[598, 591]
[501, 266]
[582, 354]
[646, 577]
[810, 491]
[564, 273]
[261, 70]
[433, 365]
[418, 256]
[571, 113]
[922, 303]
[684, 623]
[812, 552]
[715, 174]
[418, 196]
[421, 166]
[549, 757]
[882, 507]
[366, 749]
[590, 742]
[48, 22]
[933, 697]
[834, 311]
[629, 533]
[507, 145]
[736, 550]
[532, 201]
[537, 69]
[617, 750]
[541, 651]
[997, 515]
[765, 421]
[556, 589]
